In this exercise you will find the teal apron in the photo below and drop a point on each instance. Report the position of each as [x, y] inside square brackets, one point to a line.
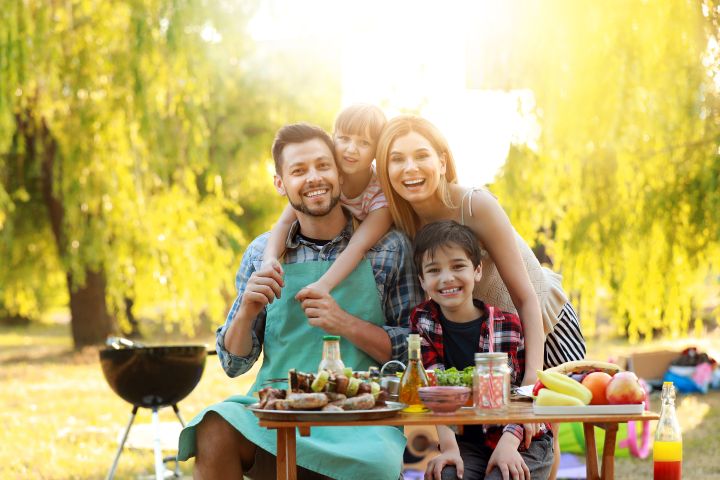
[290, 342]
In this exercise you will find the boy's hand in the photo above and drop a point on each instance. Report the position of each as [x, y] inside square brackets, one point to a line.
[434, 468]
[531, 429]
[507, 458]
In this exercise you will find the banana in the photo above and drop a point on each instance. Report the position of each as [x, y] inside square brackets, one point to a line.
[549, 398]
[562, 384]
[580, 366]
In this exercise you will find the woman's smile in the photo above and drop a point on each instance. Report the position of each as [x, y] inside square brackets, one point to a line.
[414, 167]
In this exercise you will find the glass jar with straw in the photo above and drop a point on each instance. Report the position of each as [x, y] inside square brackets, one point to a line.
[491, 381]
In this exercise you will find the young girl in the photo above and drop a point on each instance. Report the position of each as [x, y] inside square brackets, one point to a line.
[356, 131]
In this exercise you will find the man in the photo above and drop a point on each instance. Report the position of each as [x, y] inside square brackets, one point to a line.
[369, 310]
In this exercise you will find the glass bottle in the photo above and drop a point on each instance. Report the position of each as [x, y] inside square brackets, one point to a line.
[667, 449]
[491, 381]
[331, 355]
[413, 378]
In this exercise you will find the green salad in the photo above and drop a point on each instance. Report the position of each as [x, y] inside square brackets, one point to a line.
[454, 377]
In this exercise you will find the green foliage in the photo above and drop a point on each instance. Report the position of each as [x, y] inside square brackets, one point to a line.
[149, 124]
[622, 187]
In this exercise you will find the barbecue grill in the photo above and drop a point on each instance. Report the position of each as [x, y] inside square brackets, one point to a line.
[152, 377]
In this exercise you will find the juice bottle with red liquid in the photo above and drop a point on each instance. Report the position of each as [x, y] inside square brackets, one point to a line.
[667, 449]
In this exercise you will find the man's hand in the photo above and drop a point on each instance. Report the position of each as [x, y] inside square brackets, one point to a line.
[262, 288]
[316, 288]
[508, 460]
[434, 468]
[322, 311]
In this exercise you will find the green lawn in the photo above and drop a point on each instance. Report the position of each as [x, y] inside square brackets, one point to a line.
[60, 420]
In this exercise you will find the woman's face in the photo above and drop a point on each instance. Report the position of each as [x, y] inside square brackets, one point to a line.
[414, 167]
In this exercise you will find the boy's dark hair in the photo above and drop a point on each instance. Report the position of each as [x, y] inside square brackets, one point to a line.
[440, 234]
[297, 133]
[361, 119]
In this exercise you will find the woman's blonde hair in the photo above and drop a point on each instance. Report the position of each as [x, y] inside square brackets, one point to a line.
[402, 212]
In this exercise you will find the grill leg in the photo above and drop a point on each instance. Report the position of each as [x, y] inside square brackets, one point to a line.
[111, 473]
[159, 467]
[177, 414]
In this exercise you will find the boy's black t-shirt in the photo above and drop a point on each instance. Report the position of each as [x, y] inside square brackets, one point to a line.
[460, 342]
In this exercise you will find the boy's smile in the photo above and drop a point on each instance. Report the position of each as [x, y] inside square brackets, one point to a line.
[449, 278]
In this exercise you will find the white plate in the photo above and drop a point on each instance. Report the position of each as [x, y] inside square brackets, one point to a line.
[590, 410]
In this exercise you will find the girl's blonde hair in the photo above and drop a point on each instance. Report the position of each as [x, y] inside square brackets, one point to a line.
[402, 212]
[361, 119]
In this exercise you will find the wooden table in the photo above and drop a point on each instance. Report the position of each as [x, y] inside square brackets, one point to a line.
[517, 412]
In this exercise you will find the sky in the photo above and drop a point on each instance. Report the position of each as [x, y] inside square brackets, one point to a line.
[413, 56]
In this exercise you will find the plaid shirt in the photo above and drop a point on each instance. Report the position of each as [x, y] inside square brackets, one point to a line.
[508, 337]
[395, 277]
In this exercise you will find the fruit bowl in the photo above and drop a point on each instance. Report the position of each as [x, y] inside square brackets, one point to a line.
[444, 400]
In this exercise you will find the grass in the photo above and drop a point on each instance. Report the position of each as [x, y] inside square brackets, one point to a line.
[60, 420]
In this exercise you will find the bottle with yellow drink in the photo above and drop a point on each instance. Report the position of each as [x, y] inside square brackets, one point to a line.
[413, 378]
[667, 449]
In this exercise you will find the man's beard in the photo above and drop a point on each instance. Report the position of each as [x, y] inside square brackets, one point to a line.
[301, 207]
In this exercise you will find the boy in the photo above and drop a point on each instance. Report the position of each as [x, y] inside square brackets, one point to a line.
[453, 327]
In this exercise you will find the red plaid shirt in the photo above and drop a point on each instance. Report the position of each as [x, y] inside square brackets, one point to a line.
[508, 337]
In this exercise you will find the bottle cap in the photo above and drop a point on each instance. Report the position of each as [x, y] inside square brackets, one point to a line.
[667, 383]
[486, 356]
[331, 337]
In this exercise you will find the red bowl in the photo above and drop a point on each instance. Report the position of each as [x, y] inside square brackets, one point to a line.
[444, 399]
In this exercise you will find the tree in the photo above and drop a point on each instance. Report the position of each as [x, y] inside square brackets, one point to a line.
[622, 186]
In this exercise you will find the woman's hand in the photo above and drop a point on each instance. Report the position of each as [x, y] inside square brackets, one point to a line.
[434, 468]
[507, 458]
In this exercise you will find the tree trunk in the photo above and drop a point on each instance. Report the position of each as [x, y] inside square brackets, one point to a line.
[90, 321]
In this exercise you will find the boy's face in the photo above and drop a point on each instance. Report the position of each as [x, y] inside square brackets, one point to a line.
[449, 278]
[354, 153]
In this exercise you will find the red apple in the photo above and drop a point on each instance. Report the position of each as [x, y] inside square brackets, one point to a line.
[624, 388]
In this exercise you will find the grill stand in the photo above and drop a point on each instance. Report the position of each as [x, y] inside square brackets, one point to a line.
[159, 460]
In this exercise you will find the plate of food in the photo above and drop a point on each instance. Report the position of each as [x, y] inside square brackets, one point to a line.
[325, 396]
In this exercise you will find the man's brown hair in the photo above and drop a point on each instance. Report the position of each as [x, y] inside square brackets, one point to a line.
[297, 133]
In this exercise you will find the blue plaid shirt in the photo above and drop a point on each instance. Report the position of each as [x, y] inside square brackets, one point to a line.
[395, 277]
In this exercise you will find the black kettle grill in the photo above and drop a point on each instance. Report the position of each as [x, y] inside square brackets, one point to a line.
[151, 377]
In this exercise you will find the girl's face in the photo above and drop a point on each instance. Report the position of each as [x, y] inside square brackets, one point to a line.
[354, 153]
[414, 167]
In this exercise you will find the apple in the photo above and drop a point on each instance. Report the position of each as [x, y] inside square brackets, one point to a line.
[624, 388]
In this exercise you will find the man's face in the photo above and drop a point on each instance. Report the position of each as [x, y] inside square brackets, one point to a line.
[309, 177]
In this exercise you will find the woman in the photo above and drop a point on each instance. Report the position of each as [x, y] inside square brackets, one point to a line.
[417, 172]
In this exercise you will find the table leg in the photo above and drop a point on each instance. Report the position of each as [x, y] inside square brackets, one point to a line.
[608, 460]
[286, 460]
[591, 458]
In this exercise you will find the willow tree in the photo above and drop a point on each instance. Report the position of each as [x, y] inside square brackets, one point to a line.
[622, 185]
[104, 140]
